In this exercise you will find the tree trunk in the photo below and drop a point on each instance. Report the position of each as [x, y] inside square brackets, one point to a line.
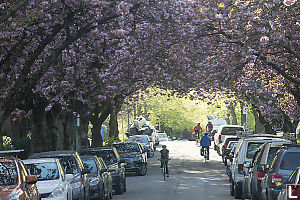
[259, 127]
[243, 117]
[113, 121]
[233, 115]
[287, 126]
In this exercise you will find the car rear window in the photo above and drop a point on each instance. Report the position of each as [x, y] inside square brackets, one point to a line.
[231, 130]
[8, 174]
[138, 139]
[290, 161]
[252, 148]
[44, 171]
[271, 154]
[108, 156]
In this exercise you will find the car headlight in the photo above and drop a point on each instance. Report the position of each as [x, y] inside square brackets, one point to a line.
[57, 192]
[94, 181]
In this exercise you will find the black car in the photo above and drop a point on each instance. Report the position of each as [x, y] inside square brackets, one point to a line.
[285, 161]
[145, 141]
[72, 164]
[98, 177]
[135, 157]
[113, 162]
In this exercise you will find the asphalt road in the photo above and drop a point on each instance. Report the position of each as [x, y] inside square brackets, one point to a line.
[190, 177]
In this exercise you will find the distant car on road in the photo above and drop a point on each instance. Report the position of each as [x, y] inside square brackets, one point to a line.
[115, 164]
[162, 137]
[135, 157]
[145, 141]
[72, 164]
[52, 181]
[15, 181]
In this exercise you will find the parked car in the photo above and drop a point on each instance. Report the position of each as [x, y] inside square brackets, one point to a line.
[15, 181]
[135, 157]
[145, 141]
[223, 131]
[99, 177]
[226, 146]
[162, 137]
[72, 164]
[243, 156]
[229, 166]
[285, 161]
[293, 179]
[115, 164]
[52, 181]
[227, 151]
[262, 158]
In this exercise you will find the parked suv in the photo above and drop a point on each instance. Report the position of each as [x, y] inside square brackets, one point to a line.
[135, 156]
[115, 164]
[223, 131]
[15, 181]
[261, 159]
[72, 164]
[285, 161]
[243, 156]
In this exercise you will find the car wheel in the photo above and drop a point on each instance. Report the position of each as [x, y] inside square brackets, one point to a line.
[151, 154]
[237, 193]
[143, 170]
[120, 188]
[231, 189]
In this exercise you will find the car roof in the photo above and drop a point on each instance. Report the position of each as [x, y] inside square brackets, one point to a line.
[97, 149]
[231, 126]
[264, 139]
[40, 160]
[53, 153]
[87, 156]
[139, 136]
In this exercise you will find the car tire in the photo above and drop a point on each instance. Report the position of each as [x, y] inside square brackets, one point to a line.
[151, 154]
[120, 188]
[231, 189]
[143, 170]
[236, 193]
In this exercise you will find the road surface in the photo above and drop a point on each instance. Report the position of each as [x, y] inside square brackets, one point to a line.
[190, 177]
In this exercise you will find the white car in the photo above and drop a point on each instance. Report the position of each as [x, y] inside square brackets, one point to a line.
[52, 183]
[225, 131]
[162, 137]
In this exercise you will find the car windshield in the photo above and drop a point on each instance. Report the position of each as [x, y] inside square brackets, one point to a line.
[127, 148]
[271, 154]
[138, 139]
[252, 148]
[231, 130]
[162, 135]
[108, 156]
[8, 174]
[69, 165]
[89, 163]
[44, 171]
[290, 161]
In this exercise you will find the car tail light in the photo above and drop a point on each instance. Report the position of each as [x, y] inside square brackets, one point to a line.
[260, 176]
[219, 138]
[240, 168]
[276, 181]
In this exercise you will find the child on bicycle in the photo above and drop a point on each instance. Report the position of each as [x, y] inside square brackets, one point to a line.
[205, 143]
[164, 156]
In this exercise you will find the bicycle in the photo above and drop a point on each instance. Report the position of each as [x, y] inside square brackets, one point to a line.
[205, 153]
[164, 170]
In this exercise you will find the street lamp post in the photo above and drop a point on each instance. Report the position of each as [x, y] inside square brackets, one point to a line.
[76, 124]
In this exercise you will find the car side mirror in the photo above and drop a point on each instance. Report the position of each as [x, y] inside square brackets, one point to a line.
[68, 177]
[31, 179]
[247, 164]
[85, 171]
[103, 170]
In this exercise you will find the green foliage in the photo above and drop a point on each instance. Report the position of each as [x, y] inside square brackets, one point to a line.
[23, 143]
[7, 143]
[111, 140]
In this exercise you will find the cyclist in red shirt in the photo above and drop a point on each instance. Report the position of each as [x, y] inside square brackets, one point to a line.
[198, 130]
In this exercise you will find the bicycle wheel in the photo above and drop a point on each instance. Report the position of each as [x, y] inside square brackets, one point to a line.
[205, 154]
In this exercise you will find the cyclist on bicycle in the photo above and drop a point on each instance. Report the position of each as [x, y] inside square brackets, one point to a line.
[198, 130]
[164, 156]
[209, 127]
[205, 143]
